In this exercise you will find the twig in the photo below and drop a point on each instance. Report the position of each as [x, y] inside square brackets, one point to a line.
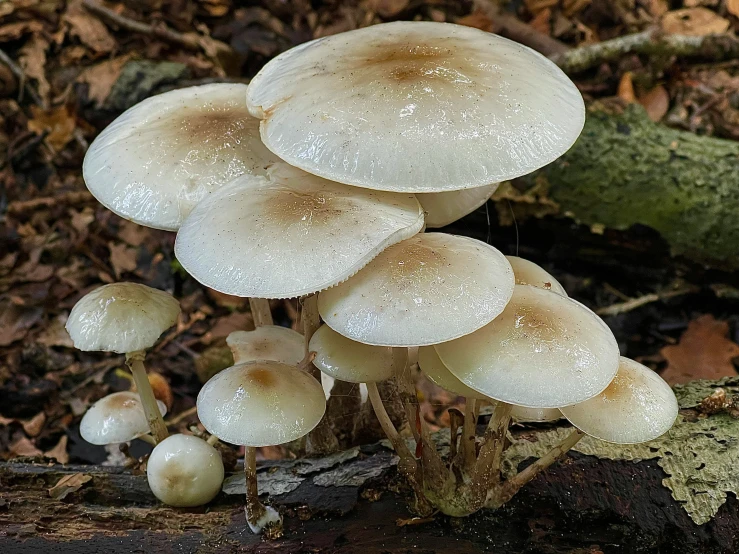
[634, 303]
[24, 84]
[73, 197]
[651, 42]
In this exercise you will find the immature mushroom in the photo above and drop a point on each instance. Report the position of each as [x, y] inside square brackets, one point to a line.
[118, 417]
[430, 288]
[260, 403]
[290, 233]
[528, 273]
[126, 318]
[157, 160]
[184, 471]
[416, 107]
[267, 342]
[443, 208]
[544, 351]
[637, 406]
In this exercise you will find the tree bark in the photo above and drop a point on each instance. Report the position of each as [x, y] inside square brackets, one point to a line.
[354, 502]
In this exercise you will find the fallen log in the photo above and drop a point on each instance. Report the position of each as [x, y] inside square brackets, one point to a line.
[601, 499]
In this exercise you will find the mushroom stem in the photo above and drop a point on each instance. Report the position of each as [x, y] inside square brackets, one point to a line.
[135, 362]
[514, 484]
[256, 512]
[261, 312]
[469, 434]
[148, 438]
[212, 440]
[486, 473]
[311, 322]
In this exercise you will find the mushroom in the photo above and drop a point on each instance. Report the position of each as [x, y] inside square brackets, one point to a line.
[528, 273]
[157, 160]
[184, 471]
[260, 403]
[118, 417]
[290, 234]
[267, 342]
[416, 107]
[443, 208]
[126, 318]
[427, 289]
[535, 415]
[544, 351]
[637, 406]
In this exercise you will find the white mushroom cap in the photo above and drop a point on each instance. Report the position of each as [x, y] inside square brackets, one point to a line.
[290, 233]
[118, 417]
[430, 288]
[348, 360]
[184, 471]
[261, 403]
[637, 406]
[416, 107]
[121, 317]
[543, 351]
[535, 415]
[529, 273]
[439, 374]
[443, 208]
[160, 158]
[267, 342]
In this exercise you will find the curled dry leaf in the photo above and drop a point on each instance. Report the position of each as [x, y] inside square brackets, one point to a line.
[626, 88]
[69, 484]
[694, 21]
[656, 101]
[704, 352]
[88, 29]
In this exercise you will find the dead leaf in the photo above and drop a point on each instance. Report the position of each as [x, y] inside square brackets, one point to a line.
[626, 88]
[55, 334]
[32, 59]
[704, 352]
[542, 22]
[732, 6]
[226, 325]
[14, 31]
[33, 426]
[15, 321]
[24, 447]
[388, 8]
[101, 77]
[656, 102]
[122, 258]
[59, 452]
[478, 20]
[69, 484]
[133, 234]
[58, 121]
[88, 29]
[694, 21]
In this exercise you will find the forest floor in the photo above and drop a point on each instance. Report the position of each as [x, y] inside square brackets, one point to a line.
[68, 68]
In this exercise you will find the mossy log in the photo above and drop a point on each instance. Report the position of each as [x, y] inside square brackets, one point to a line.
[607, 499]
[626, 170]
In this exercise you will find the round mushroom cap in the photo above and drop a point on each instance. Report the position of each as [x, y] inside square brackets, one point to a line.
[157, 160]
[443, 208]
[430, 288]
[544, 351]
[116, 418]
[637, 406]
[267, 342]
[184, 471]
[348, 360]
[439, 374]
[535, 415]
[529, 273]
[261, 403]
[121, 317]
[290, 233]
[416, 107]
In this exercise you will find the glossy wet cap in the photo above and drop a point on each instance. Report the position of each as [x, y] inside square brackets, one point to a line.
[290, 233]
[544, 351]
[157, 160]
[348, 360]
[535, 415]
[267, 342]
[430, 288]
[443, 208]
[184, 471]
[637, 406]
[121, 317]
[439, 374]
[416, 107]
[529, 273]
[116, 418]
[261, 403]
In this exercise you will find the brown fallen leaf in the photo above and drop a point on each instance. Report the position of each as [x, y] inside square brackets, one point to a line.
[32, 59]
[478, 20]
[58, 121]
[122, 258]
[694, 21]
[88, 29]
[704, 352]
[656, 101]
[23, 447]
[59, 452]
[14, 31]
[101, 77]
[626, 88]
[33, 426]
[388, 8]
[15, 321]
[69, 484]
[732, 6]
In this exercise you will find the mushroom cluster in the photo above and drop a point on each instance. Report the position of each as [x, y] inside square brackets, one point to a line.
[318, 180]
